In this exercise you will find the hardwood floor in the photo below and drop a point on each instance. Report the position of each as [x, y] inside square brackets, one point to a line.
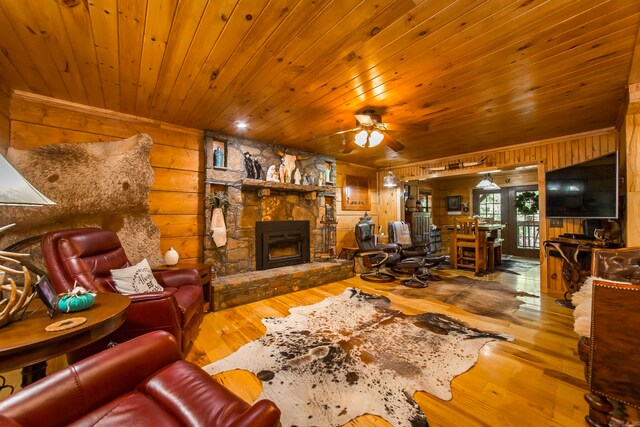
[537, 380]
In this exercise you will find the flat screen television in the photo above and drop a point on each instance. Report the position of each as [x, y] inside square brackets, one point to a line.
[584, 190]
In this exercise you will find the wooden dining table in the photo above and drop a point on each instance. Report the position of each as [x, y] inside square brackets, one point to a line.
[494, 242]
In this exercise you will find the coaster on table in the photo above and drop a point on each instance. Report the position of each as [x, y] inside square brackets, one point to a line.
[66, 324]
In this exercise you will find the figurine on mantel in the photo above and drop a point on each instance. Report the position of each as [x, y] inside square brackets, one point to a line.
[249, 166]
[297, 177]
[258, 168]
[282, 172]
[305, 180]
[272, 175]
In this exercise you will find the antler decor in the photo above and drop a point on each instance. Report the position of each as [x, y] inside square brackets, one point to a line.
[18, 298]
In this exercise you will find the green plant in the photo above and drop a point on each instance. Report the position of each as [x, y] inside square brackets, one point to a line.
[219, 199]
[527, 203]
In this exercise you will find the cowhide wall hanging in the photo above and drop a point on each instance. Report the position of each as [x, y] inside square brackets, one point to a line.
[95, 184]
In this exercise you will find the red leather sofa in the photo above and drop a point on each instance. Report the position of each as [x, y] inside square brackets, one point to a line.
[142, 382]
[87, 255]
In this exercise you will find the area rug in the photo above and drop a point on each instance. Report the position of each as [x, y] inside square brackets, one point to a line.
[515, 266]
[486, 298]
[349, 355]
[511, 266]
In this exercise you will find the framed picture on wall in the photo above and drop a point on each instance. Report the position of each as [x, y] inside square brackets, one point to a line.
[355, 193]
[454, 204]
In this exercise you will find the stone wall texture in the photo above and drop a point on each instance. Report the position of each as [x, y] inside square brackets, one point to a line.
[250, 204]
[244, 288]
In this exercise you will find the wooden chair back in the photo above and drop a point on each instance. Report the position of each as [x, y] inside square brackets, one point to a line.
[467, 236]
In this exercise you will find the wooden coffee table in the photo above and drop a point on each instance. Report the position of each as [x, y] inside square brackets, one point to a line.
[25, 343]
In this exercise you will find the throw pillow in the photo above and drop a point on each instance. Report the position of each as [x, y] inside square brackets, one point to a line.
[137, 279]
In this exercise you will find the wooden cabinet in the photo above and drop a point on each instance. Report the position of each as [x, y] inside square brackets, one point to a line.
[420, 223]
[435, 240]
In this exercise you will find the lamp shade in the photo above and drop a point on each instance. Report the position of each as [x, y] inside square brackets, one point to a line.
[486, 182]
[375, 138]
[361, 138]
[390, 180]
[15, 190]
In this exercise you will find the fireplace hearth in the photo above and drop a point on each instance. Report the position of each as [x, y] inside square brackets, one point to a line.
[282, 243]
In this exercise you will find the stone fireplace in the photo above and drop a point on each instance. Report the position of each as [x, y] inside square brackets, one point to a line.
[253, 201]
[281, 243]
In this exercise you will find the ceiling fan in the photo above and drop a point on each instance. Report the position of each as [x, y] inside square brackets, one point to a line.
[371, 133]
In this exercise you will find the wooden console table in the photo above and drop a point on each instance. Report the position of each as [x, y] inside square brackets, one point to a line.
[576, 257]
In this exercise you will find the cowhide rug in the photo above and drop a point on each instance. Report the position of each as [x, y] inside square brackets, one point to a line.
[511, 266]
[486, 298]
[327, 363]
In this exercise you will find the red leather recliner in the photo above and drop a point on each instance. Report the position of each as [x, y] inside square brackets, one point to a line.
[87, 255]
[143, 381]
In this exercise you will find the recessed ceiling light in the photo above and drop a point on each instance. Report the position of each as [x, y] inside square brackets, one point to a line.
[241, 125]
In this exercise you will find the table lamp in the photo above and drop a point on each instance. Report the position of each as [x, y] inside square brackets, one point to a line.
[15, 190]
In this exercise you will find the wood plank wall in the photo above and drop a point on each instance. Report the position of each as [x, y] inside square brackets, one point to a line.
[548, 154]
[176, 196]
[632, 156]
[347, 220]
[464, 186]
[5, 124]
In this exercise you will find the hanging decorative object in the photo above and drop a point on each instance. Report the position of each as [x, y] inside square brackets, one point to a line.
[390, 180]
[527, 203]
[454, 166]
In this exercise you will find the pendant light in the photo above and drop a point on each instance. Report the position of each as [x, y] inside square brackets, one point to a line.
[487, 183]
[390, 180]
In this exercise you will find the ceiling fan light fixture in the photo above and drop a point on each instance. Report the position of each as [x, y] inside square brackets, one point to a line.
[390, 180]
[375, 138]
[361, 138]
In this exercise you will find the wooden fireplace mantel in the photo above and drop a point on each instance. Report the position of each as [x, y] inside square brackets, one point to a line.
[266, 186]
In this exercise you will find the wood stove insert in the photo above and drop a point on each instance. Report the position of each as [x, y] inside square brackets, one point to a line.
[282, 243]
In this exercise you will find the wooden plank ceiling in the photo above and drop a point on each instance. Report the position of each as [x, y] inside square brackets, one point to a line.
[449, 77]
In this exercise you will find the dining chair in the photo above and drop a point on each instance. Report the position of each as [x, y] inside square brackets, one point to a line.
[470, 244]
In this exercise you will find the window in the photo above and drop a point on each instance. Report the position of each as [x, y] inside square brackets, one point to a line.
[490, 205]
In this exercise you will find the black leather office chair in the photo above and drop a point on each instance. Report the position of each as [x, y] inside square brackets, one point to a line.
[410, 251]
[375, 256]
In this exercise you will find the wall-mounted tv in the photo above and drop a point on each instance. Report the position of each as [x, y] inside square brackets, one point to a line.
[584, 190]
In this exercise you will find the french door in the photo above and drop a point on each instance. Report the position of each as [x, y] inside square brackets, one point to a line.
[522, 232]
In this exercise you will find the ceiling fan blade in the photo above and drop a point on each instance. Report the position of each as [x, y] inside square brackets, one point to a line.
[349, 145]
[392, 143]
[364, 119]
[345, 131]
[409, 127]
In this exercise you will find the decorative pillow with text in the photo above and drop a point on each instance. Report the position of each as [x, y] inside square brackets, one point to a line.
[137, 279]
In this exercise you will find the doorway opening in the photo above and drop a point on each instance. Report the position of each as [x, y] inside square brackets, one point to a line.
[522, 229]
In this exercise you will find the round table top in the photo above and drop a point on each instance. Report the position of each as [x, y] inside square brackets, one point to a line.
[25, 342]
